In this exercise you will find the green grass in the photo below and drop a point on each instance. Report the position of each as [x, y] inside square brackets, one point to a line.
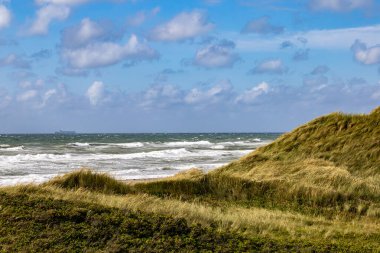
[48, 219]
[315, 189]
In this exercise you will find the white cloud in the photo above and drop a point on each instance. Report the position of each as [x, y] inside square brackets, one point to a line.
[86, 31]
[340, 5]
[45, 16]
[219, 55]
[269, 66]
[141, 16]
[212, 95]
[27, 95]
[15, 61]
[185, 25]
[250, 95]
[366, 55]
[47, 96]
[5, 16]
[95, 93]
[107, 53]
[161, 96]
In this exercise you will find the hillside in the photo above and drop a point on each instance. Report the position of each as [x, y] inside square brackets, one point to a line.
[315, 189]
[349, 141]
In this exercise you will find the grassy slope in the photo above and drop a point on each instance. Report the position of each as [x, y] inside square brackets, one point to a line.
[317, 187]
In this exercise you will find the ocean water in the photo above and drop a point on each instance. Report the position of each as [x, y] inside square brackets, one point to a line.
[39, 157]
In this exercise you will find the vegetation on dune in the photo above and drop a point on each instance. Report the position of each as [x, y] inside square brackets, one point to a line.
[49, 219]
[86, 179]
[314, 189]
[47, 225]
[331, 161]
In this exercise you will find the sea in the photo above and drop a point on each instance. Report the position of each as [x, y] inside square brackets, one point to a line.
[35, 158]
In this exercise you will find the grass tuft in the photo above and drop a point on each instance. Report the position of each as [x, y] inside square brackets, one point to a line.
[89, 180]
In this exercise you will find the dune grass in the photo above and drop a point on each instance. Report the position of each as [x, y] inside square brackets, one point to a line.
[315, 189]
[278, 230]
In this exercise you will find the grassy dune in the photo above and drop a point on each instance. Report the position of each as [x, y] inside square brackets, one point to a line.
[315, 189]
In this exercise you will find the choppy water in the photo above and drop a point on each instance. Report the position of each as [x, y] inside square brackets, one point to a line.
[37, 158]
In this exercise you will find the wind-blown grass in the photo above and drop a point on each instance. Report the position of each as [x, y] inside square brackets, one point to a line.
[314, 189]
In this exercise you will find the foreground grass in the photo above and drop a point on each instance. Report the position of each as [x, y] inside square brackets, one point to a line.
[48, 225]
[36, 218]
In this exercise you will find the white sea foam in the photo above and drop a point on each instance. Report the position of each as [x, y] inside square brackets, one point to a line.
[217, 147]
[25, 179]
[128, 144]
[9, 148]
[79, 144]
[187, 143]
[106, 145]
[253, 144]
[170, 153]
[125, 160]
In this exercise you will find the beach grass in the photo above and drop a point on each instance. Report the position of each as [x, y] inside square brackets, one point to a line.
[315, 189]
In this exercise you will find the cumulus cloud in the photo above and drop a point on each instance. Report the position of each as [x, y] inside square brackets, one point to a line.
[82, 33]
[366, 55]
[212, 95]
[33, 93]
[262, 26]
[340, 5]
[141, 16]
[95, 93]
[217, 55]
[92, 44]
[47, 96]
[49, 11]
[16, 61]
[45, 15]
[161, 96]
[88, 31]
[249, 96]
[5, 16]
[185, 25]
[269, 66]
[107, 53]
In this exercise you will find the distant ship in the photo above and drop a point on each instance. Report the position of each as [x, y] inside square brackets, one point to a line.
[65, 132]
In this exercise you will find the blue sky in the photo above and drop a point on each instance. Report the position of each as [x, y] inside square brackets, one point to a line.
[185, 66]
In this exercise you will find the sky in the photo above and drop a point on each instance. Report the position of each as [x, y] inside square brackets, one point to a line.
[185, 66]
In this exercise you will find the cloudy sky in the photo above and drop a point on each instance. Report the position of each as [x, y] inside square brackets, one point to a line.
[185, 66]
